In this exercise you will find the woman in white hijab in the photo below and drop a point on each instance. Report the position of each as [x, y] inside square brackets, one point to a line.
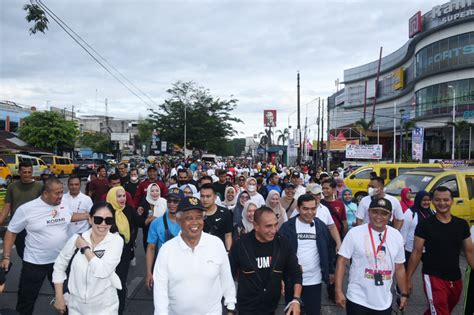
[156, 204]
[251, 188]
[273, 202]
[230, 198]
[189, 190]
[246, 225]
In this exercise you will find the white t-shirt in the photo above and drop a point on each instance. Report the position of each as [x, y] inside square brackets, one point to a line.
[308, 255]
[322, 213]
[300, 190]
[363, 209]
[357, 246]
[258, 199]
[80, 204]
[46, 228]
[410, 222]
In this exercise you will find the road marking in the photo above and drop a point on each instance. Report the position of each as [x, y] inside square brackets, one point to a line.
[133, 286]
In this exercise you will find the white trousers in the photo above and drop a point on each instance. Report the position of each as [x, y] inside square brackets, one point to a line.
[106, 303]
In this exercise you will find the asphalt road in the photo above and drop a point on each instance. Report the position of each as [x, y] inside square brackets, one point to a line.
[140, 299]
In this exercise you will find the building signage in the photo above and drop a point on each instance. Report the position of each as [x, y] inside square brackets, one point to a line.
[119, 136]
[453, 10]
[164, 146]
[366, 152]
[417, 144]
[269, 117]
[398, 79]
[414, 24]
[450, 53]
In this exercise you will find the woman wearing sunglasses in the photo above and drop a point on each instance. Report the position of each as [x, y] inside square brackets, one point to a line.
[92, 258]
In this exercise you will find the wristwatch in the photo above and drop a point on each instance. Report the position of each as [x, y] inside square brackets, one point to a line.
[297, 299]
[230, 308]
[83, 249]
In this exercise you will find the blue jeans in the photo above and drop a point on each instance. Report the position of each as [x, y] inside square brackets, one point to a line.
[311, 297]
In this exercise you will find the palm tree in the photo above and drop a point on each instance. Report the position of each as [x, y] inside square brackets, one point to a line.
[460, 126]
[364, 127]
[407, 126]
[284, 135]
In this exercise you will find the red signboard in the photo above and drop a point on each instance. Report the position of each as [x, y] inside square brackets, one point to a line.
[414, 24]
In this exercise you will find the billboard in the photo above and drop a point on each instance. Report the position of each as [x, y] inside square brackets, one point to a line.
[270, 117]
[365, 152]
[398, 79]
[417, 144]
[119, 136]
[414, 24]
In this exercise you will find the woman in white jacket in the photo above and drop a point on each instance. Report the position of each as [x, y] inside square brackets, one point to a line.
[95, 254]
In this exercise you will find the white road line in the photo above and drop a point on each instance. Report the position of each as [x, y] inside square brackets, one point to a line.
[132, 286]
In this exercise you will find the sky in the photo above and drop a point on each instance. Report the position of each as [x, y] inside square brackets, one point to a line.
[248, 50]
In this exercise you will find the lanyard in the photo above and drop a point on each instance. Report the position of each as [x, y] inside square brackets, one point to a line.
[373, 244]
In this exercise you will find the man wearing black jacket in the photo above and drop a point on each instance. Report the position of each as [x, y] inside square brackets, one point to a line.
[309, 238]
[262, 258]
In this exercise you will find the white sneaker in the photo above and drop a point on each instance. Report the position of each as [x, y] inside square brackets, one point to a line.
[133, 262]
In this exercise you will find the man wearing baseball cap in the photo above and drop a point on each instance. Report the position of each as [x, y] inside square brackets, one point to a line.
[190, 262]
[377, 253]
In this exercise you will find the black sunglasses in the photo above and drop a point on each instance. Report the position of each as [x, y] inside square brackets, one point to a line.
[98, 220]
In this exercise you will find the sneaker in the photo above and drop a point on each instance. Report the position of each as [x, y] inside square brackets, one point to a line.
[133, 262]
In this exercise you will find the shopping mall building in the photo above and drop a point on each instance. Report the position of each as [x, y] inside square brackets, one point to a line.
[421, 82]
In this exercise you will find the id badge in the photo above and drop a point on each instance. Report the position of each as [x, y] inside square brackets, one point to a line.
[378, 279]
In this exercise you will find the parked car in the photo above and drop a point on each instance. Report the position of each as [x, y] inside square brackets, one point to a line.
[5, 174]
[459, 181]
[13, 161]
[83, 167]
[58, 165]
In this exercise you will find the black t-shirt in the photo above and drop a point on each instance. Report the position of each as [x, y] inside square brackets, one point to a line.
[263, 256]
[131, 187]
[124, 179]
[220, 189]
[443, 243]
[219, 223]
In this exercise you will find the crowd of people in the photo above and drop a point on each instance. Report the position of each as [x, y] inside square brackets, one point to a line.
[278, 232]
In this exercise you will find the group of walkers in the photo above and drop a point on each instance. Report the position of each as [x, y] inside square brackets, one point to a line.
[274, 230]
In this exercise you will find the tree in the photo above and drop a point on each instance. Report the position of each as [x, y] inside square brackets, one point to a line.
[49, 131]
[461, 126]
[407, 126]
[98, 142]
[36, 14]
[208, 119]
[284, 136]
[145, 131]
[364, 127]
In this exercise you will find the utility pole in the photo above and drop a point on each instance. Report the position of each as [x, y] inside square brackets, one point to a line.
[317, 135]
[328, 147]
[299, 124]
[185, 122]
[322, 133]
[106, 116]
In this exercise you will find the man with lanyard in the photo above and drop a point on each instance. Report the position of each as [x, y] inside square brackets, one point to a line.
[376, 191]
[218, 219]
[46, 222]
[161, 230]
[152, 178]
[377, 253]
[77, 202]
[18, 193]
[260, 258]
[288, 201]
[442, 236]
[309, 238]
[192, 272]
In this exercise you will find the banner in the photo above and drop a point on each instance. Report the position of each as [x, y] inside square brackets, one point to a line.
[366, 152]
[417, 144]
[270, 117]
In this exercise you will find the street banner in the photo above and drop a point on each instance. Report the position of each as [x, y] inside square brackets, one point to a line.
[164, 146]
[270, 117]
[417, 144]
[365, 152]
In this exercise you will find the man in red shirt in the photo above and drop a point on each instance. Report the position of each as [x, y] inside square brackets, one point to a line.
[99, 185]
[152, 178]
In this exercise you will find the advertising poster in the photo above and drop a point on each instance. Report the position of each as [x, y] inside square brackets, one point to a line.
[270, 117]
[417, 144]
[365, 152]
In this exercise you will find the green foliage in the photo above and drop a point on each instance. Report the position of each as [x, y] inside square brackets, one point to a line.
[364, 127]
[208, 118]
[145, 130]
[461, 126]
[98, 142]
[36, 14]
[49, 131]
[284, 136]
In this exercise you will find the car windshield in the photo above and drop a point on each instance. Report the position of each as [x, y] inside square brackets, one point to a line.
[8, 158]
[416, 182]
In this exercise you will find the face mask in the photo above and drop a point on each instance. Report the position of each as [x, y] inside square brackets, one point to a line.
[372, 191]
[134, 178]
[251, 188]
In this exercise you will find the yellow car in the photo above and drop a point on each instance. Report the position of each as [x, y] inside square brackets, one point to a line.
[5, 173]
[59, 165]
[459, 181]
[358, 181]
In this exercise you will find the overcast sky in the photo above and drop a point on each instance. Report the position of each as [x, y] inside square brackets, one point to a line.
[250, 50]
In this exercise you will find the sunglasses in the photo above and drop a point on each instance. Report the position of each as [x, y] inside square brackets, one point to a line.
[173, 200]
[98, 220]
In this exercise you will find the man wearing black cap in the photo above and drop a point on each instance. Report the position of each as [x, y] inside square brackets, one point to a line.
[296, 180]
[377, 253]
[192, 271]
[288, 200]
[152, 178]
[162, 230]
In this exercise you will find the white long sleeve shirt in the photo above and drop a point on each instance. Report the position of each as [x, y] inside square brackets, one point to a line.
[78, 204]
[89, 279]
[192, 281]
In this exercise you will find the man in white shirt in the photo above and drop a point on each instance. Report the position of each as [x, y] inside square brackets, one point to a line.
[192, 272]
[376, 191]
[46, 221]
[77, 202]
[377, 254]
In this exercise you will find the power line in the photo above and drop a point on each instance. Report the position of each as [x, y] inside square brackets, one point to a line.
[60, 23]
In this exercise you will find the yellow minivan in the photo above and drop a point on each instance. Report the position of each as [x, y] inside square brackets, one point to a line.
[5, 173]
[59, 165]
[14, 159]
[358, 181]
[459, 181]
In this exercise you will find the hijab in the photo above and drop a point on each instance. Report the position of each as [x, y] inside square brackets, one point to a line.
[230, 204]
[158, 205]
[239, 208]
[190, 186]
[418, 208]
[342, 196]
[340, 188]
[120, 217]
[405, 202]
[251, 193]
[278, 210]
[248, 226]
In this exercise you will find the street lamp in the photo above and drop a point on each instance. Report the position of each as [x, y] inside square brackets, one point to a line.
[454, 120]
[401, 135]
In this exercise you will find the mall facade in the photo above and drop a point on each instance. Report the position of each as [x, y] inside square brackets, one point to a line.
[419, 84]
